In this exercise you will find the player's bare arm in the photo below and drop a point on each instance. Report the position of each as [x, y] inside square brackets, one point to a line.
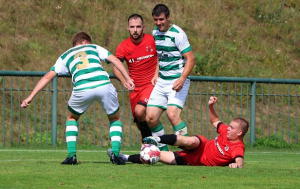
[239, 163]
[119, 76]
[213, 117]
[117, 63]
[155, 76]
[40, 85]
[190, 62]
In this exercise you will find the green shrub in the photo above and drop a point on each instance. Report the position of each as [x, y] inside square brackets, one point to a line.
[271, 142]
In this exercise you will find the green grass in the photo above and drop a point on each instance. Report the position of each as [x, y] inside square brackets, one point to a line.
[40, 168]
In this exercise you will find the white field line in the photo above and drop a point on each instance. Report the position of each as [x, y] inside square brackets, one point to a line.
[58, 160]
[62, 151]
[104, 151]
[37, 160]
[126, 151]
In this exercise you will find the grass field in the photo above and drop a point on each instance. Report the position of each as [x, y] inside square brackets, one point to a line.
[40, 168]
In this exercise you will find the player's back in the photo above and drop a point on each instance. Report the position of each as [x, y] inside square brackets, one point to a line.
[84, 64]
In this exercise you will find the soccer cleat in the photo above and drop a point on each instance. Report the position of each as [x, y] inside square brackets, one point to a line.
[109, 152]
[115, 159]
[150, 140]
[70, 160]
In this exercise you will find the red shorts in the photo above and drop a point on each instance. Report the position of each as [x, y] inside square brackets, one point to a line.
[193, 157]
[140, 96]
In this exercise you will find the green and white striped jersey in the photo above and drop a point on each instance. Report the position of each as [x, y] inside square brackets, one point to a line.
[83, 63]
[170, 47]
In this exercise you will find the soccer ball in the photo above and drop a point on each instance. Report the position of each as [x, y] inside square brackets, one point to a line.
[149, 154]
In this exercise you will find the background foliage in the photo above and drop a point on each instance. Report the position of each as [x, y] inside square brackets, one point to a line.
[239, 38]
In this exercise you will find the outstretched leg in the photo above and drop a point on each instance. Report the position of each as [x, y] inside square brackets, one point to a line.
[189, 142]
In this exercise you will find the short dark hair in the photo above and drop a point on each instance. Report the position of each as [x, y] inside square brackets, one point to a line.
[243, 124]
[159, 9]
[135, 16]
[80, 37]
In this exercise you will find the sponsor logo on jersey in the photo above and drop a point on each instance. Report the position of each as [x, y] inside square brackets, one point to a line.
[149, 49]
[218, 146]
[162, 55]
[226, 148]
[131, 60]
[168, 41]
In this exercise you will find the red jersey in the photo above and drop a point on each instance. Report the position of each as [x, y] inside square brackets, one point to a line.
[221, 152]
[216, 152]
[141, 59]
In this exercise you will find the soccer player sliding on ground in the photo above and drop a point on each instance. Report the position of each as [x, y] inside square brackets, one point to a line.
[227, 149]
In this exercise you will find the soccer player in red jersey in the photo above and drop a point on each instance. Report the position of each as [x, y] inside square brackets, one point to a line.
[227, 149]
[139, 52]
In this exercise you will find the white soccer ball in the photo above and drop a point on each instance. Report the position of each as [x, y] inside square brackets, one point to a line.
[149, 154]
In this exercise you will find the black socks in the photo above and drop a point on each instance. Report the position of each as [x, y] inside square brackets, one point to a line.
[145, 130]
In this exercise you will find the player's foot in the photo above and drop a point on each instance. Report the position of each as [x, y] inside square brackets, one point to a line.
[109, 152]
[150, 140]
[115, 159]
[70, 160]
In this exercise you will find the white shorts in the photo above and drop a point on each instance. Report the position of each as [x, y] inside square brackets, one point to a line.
[106, 95]
[163, 95]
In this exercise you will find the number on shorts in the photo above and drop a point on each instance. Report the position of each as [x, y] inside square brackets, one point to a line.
[85, 62]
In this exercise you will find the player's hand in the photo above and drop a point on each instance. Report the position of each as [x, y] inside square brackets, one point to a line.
[130, 85]
[233, 165]
[26, 102]
[178, 84]
[154, 80]
[212, 100]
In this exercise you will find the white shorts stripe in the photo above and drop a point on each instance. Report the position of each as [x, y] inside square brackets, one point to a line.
[71, 139]
[116, 138]
[71, 128]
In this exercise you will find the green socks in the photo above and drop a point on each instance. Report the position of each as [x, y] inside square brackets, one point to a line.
[159, 131]
[181, 129]
[115, 133]
[71, 136]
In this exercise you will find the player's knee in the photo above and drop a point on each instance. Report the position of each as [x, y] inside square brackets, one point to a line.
[191, 142]
[140, 115]
[114, 117]
[151, 120]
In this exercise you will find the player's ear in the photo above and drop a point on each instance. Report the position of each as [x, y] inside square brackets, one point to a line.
[240, 133]
[85, 42]
[168, 17]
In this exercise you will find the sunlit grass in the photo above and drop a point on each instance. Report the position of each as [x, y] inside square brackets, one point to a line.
[40, 168]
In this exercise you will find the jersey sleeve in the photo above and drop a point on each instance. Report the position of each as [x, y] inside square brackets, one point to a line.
[237, 152]
[103, 54]
[182, 43]
[221, 127]
[59, 67]
[120, 53]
